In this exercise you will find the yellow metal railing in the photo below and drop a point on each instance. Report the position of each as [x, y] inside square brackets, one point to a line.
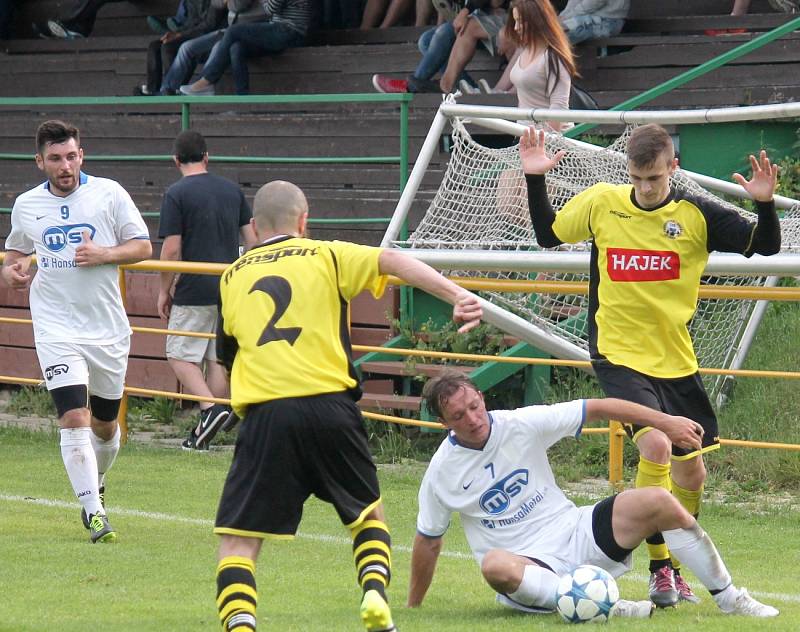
[614, 430]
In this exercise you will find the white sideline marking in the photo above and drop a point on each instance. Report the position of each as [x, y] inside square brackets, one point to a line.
[202, 522]
[318, 537]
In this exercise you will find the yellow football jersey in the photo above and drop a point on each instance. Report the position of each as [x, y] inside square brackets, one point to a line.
[284, 329]
[645, 271]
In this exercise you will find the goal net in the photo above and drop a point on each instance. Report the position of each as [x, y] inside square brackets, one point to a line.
[482, 204]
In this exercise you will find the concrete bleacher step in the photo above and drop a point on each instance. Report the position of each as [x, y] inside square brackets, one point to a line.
[382, 402]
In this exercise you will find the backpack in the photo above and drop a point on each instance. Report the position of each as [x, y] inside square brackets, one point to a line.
[579, 99]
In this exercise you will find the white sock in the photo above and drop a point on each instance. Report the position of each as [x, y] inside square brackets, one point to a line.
[105, 453]
[696, 551]
[726, 599]
[537, 588]
[81, 466]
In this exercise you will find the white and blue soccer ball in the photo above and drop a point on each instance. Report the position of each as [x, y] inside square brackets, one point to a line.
[586, 594]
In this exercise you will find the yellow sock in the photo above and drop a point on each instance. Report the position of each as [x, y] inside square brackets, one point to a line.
[372, 553]
[236, 594]
[651, 474]
[690, 499]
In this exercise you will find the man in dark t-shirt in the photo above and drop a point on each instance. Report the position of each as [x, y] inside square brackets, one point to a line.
[203, 218]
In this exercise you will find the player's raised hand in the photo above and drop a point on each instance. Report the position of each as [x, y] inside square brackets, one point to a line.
[89, 253]
[532, 154]
[17, 276]
[685, 433]
[761, 185]
[467, 310]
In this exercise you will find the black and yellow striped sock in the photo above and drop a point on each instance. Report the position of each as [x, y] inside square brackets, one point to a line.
[372, 553]
[690, 499]
[236, 594]
[652, 474]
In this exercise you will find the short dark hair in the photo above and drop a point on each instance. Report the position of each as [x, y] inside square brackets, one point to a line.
[55, 132]
[190, 146]
[438, 390]
[647, 143]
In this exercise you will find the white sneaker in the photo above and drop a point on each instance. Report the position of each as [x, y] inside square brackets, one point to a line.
[485, 87]
[744, 604]
[506, 601]
[465, 87]
[633, 609]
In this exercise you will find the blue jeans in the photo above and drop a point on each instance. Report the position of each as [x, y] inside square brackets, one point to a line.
[189, 55]
[585, 27]
[241, 41]
[435, 45]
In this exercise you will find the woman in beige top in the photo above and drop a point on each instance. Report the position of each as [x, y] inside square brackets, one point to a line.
[543, 66]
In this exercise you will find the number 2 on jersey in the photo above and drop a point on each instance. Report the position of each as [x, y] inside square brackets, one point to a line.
[279, 290]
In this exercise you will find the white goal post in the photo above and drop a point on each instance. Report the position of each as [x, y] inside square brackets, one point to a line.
[478, 225]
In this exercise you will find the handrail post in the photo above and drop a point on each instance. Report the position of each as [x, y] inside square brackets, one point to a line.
[122, 415]
[616, 444]
[185, 121]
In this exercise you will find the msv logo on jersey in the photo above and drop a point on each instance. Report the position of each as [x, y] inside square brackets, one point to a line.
[56, 238]
[56, 369]
[625, 264]
[497, 498]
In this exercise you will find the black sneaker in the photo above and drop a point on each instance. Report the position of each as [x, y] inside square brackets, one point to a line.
[190, 442]
[230, 423]
[100, 530]
[84, 517]
[211, 419]
[59, 31]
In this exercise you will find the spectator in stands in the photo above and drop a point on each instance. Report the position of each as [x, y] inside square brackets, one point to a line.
[449, 47]
[198, 49]
[6, 14]
[79, 22]
[376, 13]
[285, 25]
[741, 7]
[203, 218]
[592, 19]
[188, 12]
[161, 53]
[543, 67]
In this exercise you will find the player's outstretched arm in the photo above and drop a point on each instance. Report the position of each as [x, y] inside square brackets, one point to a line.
[535, 163]
[15, 270]
[424, 555]
[682, 431]
[466, 306]
[91, 254]
[766, 239]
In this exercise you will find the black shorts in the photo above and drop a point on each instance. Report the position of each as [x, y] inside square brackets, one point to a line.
[603, 530]
[685, 396]
[288, 449]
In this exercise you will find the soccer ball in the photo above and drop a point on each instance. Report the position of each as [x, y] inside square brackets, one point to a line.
[588, 593]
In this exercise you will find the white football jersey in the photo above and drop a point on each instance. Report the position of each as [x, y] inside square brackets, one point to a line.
[505, 493]
[68, 303]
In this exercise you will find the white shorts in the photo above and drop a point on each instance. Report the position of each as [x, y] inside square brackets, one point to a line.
[197, 318]
[101, 368]
[582, 549]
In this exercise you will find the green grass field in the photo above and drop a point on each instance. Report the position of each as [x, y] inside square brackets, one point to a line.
[160, 574]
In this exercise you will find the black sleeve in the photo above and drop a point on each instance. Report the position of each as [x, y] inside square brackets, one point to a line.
[730, 232]
[767, 233]
[542, 214]
[227, 346]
